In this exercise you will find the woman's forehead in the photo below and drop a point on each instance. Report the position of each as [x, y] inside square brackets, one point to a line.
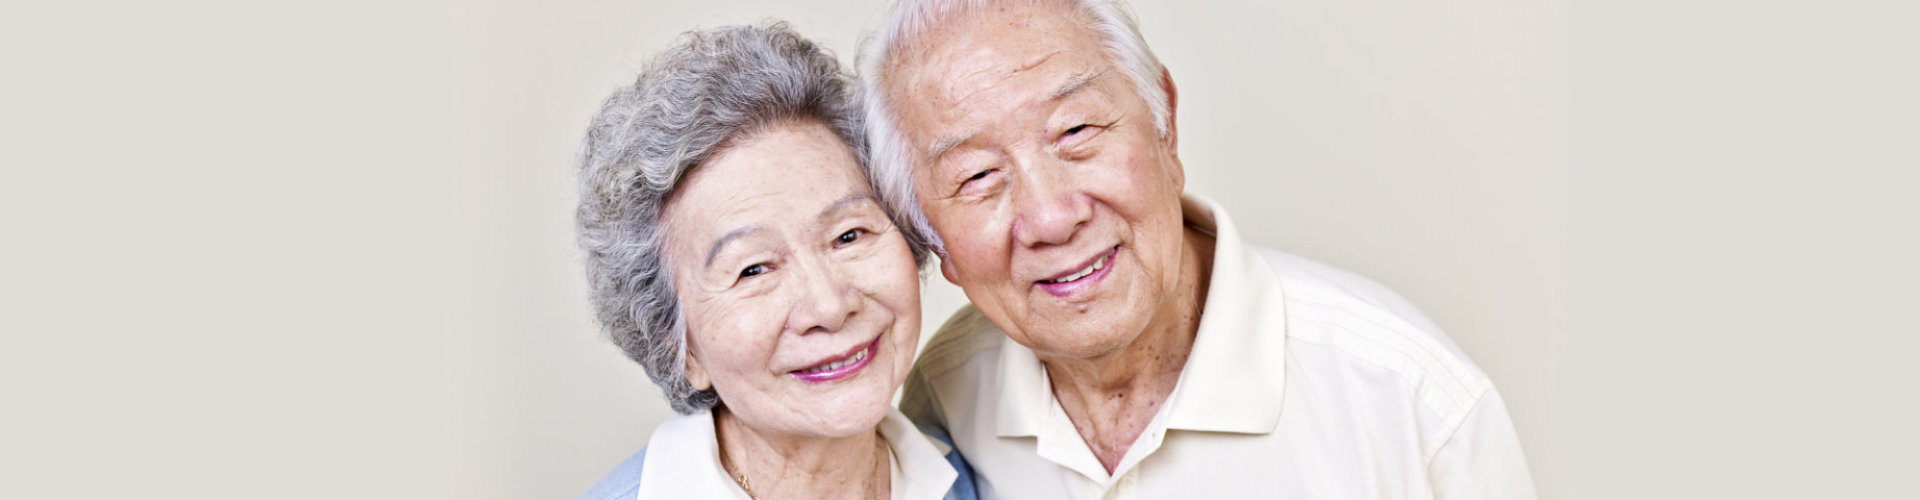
[788, 177]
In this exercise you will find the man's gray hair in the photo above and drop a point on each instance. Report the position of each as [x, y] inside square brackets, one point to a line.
[908, 21]
[709, 91]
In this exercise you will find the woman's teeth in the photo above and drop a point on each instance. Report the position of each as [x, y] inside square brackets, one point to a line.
[1097, 264]
[855, 358]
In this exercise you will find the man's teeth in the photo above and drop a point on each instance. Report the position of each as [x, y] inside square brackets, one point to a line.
[855, 358]
[1097, 264]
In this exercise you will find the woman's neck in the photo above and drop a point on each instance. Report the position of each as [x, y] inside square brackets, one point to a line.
[773, 465]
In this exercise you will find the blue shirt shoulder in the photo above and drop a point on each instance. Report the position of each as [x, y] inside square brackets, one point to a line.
[963, 483]
[622, 483]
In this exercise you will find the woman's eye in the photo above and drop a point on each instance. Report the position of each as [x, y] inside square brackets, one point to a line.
[754, 270]
[850, 236]
[1076, 129]
[979, 175]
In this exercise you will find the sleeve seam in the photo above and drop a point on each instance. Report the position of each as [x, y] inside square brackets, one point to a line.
[1453, 428]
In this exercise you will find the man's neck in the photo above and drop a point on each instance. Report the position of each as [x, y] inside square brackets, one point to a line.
[1112, 398]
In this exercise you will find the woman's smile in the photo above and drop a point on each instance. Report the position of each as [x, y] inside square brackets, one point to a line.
[840, 367]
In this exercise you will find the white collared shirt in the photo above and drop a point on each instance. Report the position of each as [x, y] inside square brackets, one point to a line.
[683, 461]
[1304, 381]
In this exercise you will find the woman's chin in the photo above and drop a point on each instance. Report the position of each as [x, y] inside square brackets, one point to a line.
[853, 406]
[850, 414]
[844, 412]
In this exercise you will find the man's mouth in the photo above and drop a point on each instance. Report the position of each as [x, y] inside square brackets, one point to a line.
[1074, 282]
[1097, 264]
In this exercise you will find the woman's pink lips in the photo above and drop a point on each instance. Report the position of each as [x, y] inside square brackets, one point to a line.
[1085, 282]
[872, 349]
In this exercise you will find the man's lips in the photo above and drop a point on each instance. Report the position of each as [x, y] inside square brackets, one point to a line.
[1096, 263]
[1086, 276]
[841, 366]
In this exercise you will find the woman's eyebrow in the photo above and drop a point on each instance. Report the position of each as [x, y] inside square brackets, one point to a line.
[840, 205]
[729, 237]
[847, 202]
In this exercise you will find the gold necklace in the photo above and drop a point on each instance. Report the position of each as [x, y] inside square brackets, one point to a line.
[880, 462]
[738, 478]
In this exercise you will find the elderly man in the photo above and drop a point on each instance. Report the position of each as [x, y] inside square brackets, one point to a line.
[1123, 341]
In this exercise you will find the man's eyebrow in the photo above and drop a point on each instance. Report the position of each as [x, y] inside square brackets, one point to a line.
[847, 201]
[941, 147]
[1073, 86]
[724, 239]
[1076, 84]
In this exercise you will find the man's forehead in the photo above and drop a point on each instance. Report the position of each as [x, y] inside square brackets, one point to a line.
[991, 65]
[1006, 39]
[966, 80]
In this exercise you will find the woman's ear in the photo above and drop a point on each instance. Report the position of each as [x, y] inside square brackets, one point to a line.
[697, 371]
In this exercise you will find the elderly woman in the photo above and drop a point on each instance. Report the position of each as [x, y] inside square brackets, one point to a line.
[737, 251]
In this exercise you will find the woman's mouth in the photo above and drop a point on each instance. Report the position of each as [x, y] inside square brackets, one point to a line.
[842, 367]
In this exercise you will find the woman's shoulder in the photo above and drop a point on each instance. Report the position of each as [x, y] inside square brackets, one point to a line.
[963, 481]
[622, 482]
[673, 443]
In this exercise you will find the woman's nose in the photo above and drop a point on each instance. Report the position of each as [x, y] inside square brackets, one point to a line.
[827, 298]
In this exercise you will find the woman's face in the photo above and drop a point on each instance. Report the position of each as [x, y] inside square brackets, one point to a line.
[801, 299]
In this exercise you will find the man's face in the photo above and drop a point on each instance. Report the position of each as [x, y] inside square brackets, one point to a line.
[1041, 168]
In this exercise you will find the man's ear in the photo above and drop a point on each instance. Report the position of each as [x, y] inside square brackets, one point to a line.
[1172, 138]
[947, 270]
[1173, 107]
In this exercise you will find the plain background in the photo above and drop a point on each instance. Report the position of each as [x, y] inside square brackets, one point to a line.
[323, 250]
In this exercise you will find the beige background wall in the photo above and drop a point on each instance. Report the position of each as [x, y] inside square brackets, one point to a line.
[323, 250]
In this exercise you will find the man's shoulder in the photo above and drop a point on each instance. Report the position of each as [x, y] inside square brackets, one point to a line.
[1338, 317]
[965, 336]
[1311, 281]
[954, 365]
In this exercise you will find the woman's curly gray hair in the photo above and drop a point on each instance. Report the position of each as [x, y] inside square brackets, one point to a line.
[710, 90]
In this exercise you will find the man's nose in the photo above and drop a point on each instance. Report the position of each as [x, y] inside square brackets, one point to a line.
[825, 300]
[1049, 205]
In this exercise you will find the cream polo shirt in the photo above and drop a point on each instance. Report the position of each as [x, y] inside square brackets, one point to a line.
[1304, 381]
[683, 461]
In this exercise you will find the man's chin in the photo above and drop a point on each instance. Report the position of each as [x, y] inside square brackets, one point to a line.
[1083, 344]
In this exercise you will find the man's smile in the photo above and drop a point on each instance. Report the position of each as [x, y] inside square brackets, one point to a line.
[1084, 277]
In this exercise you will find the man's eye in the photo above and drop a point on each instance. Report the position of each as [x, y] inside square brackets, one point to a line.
[981, 183]
[755, 270]
[1076, 129]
